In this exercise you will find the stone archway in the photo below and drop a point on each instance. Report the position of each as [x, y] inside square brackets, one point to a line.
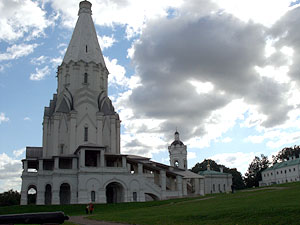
[114, 193]
[31, 195]
[48, 194]
[65, 194]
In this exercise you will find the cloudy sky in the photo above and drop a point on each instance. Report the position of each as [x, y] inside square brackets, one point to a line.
[224, 72]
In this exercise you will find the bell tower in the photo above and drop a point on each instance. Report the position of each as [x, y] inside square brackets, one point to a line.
[178, 153]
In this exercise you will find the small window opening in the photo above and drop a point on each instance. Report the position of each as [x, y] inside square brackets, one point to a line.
[93, 196]
[134, 195]
[85, 80]
[86, 50]
[176, 163]
[61, 149]
[86, 134]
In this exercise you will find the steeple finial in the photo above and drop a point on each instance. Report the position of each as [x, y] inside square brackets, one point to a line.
[176, 135]
[208, 164]
[85, 7]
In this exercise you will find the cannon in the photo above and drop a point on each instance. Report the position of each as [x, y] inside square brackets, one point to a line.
[34, 218]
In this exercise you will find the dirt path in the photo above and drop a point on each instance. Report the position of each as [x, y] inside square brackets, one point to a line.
[265, 188]
[82, 220]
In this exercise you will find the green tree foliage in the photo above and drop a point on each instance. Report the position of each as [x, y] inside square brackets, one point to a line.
[10, 198]
[285, 153]
[253, 175]
[237, 179]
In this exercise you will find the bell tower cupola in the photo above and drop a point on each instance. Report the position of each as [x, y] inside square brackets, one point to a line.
[178, 153]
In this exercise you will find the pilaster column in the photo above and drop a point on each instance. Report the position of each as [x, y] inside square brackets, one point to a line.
[55, 134]
[40, 165]
[102, 158]
[140, 168]
[82, 157]
[45, 135]
[124, 162]
[162, 177]
[179, 185]
[113, 140]
[74, 164]
[55, 197]
[25, 164]
[23, 197]
[56, 163]
[118, 136]
[184, 186]
[99, 139]
[72, 132]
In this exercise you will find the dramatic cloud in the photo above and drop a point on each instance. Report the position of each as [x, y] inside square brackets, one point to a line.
[3, 118]
[202, 71]
[40, 73]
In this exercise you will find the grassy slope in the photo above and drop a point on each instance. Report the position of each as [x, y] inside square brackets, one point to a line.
[276, 206]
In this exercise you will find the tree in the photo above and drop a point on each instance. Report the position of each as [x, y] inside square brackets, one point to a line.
[253, 175]
[237, 179]
[10, 198]
[285, 153]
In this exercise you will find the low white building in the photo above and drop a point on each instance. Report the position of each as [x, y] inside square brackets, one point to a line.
[80, 160]
[215, 181]
[279, 173]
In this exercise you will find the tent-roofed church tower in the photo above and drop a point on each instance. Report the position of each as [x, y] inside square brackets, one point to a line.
[81, 113]
[80, 160]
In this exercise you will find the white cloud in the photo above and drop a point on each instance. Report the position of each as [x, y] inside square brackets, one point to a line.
[19, 152]
[266, 12]
[10, 172]
[191, 155]
[39, 60]
[17, 51]
[40, 73]
[27, 118]
[239, 160]
[226, 140]
[106, 41]
[3, 118]
[116, 73]
[131, 13]
[21, 18]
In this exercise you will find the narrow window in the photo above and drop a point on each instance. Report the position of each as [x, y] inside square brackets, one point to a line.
[213, 187]
[85, 80]
[134, 195]
[86, 48]
[93, 196]
[86, 134]
[61, 149]
[224, 187]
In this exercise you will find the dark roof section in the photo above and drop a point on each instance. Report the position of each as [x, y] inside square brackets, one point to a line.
[177, 142]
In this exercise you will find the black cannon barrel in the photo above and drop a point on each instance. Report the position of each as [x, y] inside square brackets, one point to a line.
[34, 218]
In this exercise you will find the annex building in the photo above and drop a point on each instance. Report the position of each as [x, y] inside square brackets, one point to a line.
[279, 173]
[81, 160]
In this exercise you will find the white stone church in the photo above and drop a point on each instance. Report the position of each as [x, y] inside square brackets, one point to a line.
[80, 160]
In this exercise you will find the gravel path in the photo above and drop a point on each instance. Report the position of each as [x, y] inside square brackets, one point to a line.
[82, 220]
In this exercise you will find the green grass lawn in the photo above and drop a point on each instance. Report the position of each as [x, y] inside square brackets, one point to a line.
[260, 206]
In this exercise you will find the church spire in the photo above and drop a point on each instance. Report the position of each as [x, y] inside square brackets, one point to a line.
[84, 44]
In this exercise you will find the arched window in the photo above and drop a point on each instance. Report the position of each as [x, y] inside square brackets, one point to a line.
[93, 196]
[176, 163]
